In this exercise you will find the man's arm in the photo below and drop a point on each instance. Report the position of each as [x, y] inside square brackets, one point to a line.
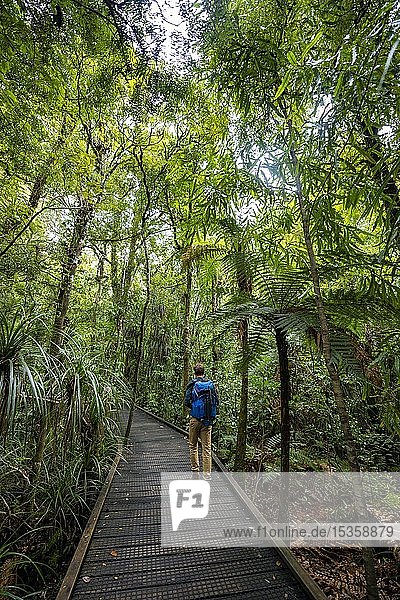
[188, 395]
[216, 394]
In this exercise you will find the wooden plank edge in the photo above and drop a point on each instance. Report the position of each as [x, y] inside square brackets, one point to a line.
[295, 567]
[74, 568]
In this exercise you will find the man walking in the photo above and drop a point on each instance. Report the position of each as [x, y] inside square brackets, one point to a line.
[201, 400]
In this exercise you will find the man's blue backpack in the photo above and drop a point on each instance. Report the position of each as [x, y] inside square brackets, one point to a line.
[204, 402]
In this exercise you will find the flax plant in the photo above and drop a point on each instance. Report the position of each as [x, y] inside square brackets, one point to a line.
[59, 433]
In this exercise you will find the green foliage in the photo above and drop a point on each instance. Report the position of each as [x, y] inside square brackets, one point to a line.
[110, 162]
[22, 363]
[60, 435]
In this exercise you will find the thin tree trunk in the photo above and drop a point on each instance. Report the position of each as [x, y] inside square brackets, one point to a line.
[116, 296]
[121, 284]
[351, 449]
[284, 376]
[244, 284]
[130, 266]
[186, 327]
[214, 348]
[241, 440]
[124, 332]
[70, 264]
[99, 292]
[135, 375]
[40, 445]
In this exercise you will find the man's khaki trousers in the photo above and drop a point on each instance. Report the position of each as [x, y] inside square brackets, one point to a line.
[198, 430]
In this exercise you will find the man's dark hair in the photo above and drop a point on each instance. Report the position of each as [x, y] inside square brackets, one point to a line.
[198, 370]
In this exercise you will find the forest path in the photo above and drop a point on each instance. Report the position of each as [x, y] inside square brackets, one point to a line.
[125, 560]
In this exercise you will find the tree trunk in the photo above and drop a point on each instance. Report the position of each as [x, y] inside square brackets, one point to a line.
[284, 376]
[186, 327]
[244, 284]
[241, 440]
[40, 445]
[214, 349]
[121, 281]
[135, 375]
[70, 264]
[351, 449]
[113, 347]
[99, 292]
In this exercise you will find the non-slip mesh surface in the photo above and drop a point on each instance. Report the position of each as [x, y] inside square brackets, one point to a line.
[125, 560]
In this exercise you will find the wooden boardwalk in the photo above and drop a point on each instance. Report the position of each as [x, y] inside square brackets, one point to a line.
[120, 556]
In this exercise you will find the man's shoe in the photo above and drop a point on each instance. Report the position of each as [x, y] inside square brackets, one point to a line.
[195, 475]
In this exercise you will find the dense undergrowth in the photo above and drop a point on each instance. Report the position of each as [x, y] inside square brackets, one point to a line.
[60, 429]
